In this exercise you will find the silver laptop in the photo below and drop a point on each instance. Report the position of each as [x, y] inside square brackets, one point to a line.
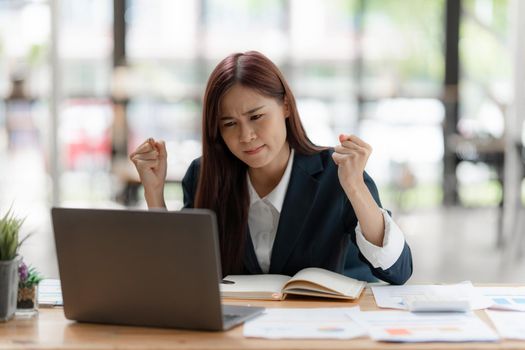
[143, 268]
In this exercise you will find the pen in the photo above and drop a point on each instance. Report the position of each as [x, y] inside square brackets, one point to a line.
[227, 282]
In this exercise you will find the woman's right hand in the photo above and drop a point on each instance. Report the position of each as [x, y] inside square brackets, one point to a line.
[150, 159]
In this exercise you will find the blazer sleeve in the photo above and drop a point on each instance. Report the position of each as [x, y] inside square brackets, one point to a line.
[401, 270]
[189, 183]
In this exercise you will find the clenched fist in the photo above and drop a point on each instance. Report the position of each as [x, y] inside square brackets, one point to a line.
[150, 159]
[351, 156]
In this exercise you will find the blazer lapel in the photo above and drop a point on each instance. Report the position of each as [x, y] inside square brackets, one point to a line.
[298, 201]
[250, 259]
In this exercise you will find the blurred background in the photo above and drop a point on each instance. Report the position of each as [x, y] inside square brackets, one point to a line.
[435, 86]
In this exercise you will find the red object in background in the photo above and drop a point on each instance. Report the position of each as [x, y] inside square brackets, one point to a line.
[88, 151]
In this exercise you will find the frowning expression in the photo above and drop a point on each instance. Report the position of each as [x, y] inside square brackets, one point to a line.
[253, 126]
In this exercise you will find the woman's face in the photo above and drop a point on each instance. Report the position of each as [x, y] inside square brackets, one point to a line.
[253, 126]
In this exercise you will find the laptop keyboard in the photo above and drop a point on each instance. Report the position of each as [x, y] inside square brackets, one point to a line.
[229, 317]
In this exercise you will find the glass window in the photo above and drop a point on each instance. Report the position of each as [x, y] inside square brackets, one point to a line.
[485, 93]
[403, 53]
[158, 29]
[242, 25]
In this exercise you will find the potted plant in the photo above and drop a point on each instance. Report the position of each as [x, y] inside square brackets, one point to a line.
[9, 260]
[28, 280]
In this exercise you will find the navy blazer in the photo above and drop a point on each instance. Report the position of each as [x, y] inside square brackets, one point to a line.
[316, 225]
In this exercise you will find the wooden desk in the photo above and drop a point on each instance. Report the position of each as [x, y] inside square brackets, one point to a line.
[50, 330]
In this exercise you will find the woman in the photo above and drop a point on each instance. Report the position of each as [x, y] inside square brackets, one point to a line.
[282, 203]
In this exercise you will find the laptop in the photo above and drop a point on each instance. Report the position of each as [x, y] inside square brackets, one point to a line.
[143, 268]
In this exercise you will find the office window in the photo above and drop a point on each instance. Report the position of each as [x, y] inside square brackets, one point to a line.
[24, 38]
[400, 90]
[368, 67]
[236, 26]
[85, 119]
[485, 93]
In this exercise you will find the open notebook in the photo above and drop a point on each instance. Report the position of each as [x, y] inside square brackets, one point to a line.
[311, 281]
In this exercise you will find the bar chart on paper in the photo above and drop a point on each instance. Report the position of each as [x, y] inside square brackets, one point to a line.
[505, 298]
[314, 323]
[403, 326]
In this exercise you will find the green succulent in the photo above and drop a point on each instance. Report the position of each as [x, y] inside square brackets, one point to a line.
[9, 230]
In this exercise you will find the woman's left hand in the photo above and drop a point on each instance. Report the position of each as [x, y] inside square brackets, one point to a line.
[351, 156]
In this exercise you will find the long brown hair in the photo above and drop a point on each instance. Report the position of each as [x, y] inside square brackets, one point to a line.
[222, 185]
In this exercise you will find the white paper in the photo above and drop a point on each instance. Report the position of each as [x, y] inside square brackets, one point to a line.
[49, 293]
[404, 326]
[315, 323]
[505, 298]
[392, 296]
[509, 324]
